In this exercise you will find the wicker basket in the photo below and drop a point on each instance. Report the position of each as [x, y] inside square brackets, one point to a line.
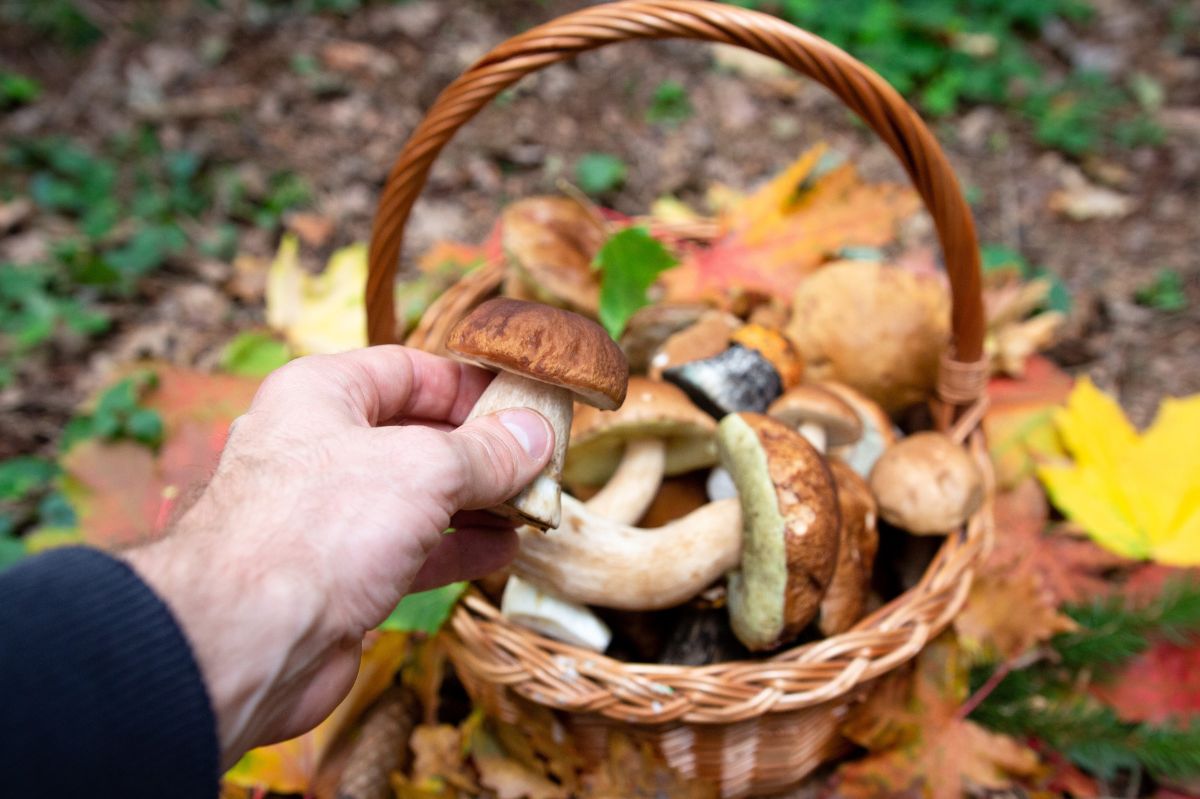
[750, 727]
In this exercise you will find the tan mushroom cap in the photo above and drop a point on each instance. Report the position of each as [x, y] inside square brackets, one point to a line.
[551, 243]
[545, 344]
[790, 528]
[809, 403]
[846, 600]
[709, 336]
[927, 484]
[652, 409]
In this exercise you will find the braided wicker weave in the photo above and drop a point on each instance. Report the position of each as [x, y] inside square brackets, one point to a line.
[757, 726]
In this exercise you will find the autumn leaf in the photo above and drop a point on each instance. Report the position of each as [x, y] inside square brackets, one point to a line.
[1161, 685]
[507, 777]
[1020, 419]
[297, 765]
[1007, 614]
[320, 313]
[935, 753]
[776, 236]
[1067, 568]
[124, 493]
[632, 769]
[1135, 494]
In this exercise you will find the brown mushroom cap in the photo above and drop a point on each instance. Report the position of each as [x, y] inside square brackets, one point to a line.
[846, 599]
[709, 336]
[877, 328]
[927, 484]
[652, 409]
[809, 403]
[551, 243]
[545, 344]
[790, 528]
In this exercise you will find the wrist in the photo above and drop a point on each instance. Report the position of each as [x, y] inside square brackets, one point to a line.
[251, 629]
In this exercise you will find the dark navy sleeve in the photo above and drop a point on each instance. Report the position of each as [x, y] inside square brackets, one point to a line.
[100, 694]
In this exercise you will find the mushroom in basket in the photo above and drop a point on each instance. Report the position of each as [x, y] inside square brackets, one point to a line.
[927, 484]
[877, 431]
[757, 367]
[656, 432]
[790, 528]
[818, 415]
[545, 357]
[846, 599]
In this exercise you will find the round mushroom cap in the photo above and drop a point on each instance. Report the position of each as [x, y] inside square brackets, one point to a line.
[927, 484]
[551, 243]
[846, 599]
[877, 431]
[546, 344]
[809, 403]
[652, 409]
[709, 336]
[790, 528]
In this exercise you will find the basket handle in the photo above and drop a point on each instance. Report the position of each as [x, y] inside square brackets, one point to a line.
[963, 374]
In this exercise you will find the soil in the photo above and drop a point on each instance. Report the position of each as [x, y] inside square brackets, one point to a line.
[223, 81]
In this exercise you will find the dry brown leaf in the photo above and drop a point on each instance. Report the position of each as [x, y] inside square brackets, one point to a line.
[635, 770]
[1082, 200]
[507, 777]
[439, 759]
[1007, 614]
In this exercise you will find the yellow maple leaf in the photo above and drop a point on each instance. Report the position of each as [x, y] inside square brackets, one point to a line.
[320, 313]
[1135, 494]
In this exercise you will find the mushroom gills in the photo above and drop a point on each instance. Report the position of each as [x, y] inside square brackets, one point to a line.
[529, 606]
[633, 486]
[539, 503]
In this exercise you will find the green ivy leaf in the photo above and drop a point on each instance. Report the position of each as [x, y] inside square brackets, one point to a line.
[629, 262]
[598, 173]
[426, 611]
[254, 354]
[1165, 293]
[21, 476]
[145, 426]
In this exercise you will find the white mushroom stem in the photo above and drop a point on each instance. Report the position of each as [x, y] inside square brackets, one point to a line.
[539, 504]
[531, 607]
[596, 561]
[633, 486]
[719, 484]
[815, 434]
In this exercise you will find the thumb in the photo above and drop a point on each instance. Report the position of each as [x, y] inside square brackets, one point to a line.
[500, 454]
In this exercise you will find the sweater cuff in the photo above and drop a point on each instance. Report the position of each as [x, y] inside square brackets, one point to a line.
[102, 694]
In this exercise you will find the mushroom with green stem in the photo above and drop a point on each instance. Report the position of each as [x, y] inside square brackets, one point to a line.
[656, 432]
[529, 606]
[790, 528]
[545, 358]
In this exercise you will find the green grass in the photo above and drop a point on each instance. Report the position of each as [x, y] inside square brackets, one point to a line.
[944, 55]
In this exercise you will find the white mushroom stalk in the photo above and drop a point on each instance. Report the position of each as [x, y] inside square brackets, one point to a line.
[815, 434]
[540, 499]
[632, 488]
[596, 561]
[529, 606]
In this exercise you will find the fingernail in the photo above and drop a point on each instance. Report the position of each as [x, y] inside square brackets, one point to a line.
[529, 428]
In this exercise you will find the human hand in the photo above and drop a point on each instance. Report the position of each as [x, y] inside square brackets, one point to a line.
[329, 505]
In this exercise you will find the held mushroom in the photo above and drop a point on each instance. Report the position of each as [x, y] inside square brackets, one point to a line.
[596, 561]
[531, 607]
[544, 357]
[818, 415]
[790, 528]
[660, 431]
[846, 598]
[877, 431]
[927, 484]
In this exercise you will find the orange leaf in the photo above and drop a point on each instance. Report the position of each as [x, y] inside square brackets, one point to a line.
[1020, 420]
[788, 228]
[1007, 614]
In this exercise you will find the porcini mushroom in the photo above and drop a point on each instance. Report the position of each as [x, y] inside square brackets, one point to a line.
[878, 433]
[550, 243]
[846, 599]
[529, 606]
[877, 328]
[790, 528]
[595, 561]
[545, 356]
[927, 484]
[661, 433]
[821, 417]
[708, 336]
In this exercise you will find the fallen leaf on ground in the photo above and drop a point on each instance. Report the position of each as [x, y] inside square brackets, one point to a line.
[1020, 419]
[940, 755]
[1161, 685]
[1082, 200]
[440, 761]
[1007, 614]
[507, 777]
[321, 313]
[1137, 495]
[631, 769]
[1068, 568]
[774, 237]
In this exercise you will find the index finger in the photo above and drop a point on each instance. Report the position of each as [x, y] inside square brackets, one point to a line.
[379, 385]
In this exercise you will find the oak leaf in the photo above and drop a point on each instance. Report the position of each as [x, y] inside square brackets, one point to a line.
[1137, 495]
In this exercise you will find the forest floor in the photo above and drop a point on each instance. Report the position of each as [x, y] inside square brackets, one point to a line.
[331, 99]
